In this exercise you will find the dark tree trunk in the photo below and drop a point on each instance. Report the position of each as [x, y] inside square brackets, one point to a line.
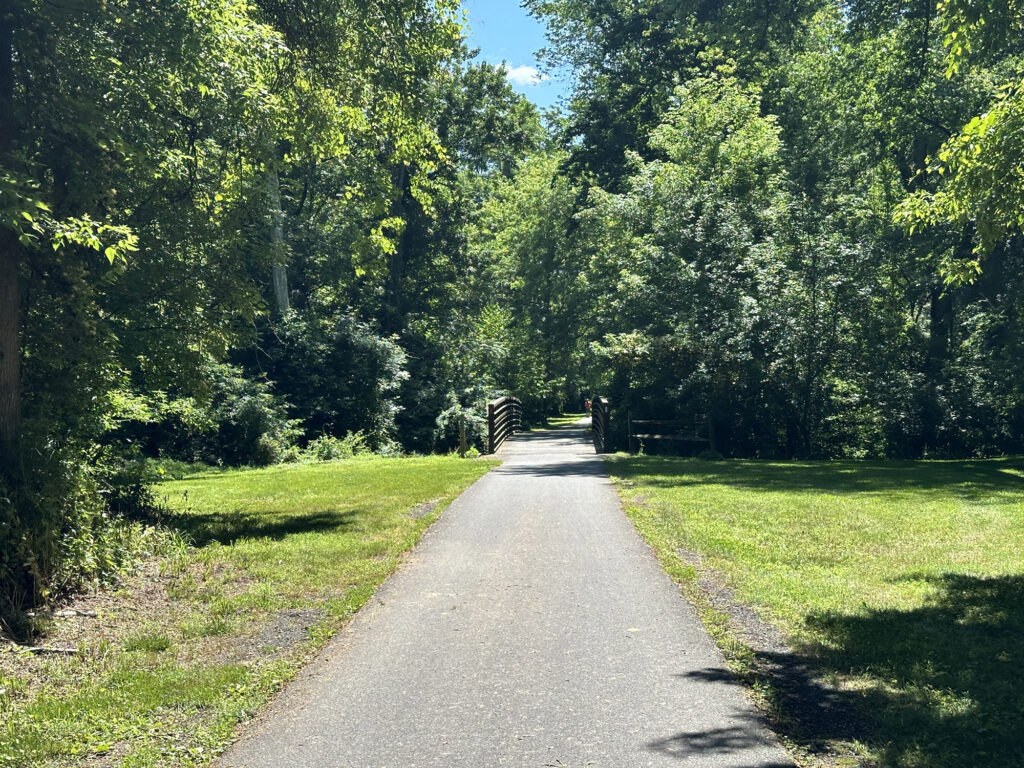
[7, 127]
[10, 289]
[941, 327]
[10, 355]
[940, 332]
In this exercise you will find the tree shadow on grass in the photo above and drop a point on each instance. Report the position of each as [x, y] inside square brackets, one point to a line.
[803, 708]
[205, 528]
[943, 684]
[995, 481]
[950, 680]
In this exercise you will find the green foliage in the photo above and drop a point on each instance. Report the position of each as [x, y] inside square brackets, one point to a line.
[528, 342]
[237, 420]
[454, 419]
[337, 374]
[59, 535]
[979, 184]
[980, 189]
[252, 427]
[769, 219]
[327, 448]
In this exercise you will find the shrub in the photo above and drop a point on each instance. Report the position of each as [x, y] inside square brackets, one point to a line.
[446, 433]
[328, 448]
[60, 534]
[231, 419]
[339, 374]
[252, 425]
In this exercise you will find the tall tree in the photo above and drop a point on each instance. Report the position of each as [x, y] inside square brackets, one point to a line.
[10, 283]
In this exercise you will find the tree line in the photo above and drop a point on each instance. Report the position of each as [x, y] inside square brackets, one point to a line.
[243, 232]
[800, 221]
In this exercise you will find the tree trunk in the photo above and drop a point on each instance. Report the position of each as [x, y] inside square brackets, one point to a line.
[941, 341]
[940, 333]
[10, 288]
[7, 127]
[10, 355]
[279, 273]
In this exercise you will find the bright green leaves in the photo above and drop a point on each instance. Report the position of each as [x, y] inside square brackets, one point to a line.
[717, 129]
[115, 242]
[981, 181]
[35, 225]
[534, 276]
[979, 28]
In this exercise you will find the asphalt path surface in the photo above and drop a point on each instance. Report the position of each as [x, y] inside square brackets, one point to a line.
[532, 627]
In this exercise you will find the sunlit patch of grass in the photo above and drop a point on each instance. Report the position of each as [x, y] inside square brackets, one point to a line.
[282, 557]
[209, 626]
[148, 642]
[902, 580]
[562, 420]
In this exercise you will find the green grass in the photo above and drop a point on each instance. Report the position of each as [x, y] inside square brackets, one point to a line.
[562, 420]
[282, 558]
[902, 582]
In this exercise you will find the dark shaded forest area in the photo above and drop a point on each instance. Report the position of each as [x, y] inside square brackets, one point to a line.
[244, 233]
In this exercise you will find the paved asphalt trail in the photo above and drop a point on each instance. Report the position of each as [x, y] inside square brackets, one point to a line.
[531, 627]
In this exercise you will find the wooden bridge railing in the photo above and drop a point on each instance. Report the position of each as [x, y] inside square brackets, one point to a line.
[599, 423]
[504, 417]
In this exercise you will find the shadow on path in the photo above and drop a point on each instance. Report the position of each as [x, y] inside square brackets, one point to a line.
[747, 734]
[555, 468]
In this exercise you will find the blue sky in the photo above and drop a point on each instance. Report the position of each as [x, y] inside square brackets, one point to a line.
[503, 31]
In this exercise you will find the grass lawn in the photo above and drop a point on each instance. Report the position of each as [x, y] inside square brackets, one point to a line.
[563, 420]
[202, 636]
[901, 582]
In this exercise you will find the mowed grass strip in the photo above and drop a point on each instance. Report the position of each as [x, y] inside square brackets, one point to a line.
[902, 582]
[563, 420]
[281, 558]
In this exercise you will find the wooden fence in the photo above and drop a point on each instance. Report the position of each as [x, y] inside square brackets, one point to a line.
[504, 418]
[688, 433]
[685, 435]
[599, 420]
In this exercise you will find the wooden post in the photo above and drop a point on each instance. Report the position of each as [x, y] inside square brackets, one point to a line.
[490, 428]
[463, 448]
[629, 430]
